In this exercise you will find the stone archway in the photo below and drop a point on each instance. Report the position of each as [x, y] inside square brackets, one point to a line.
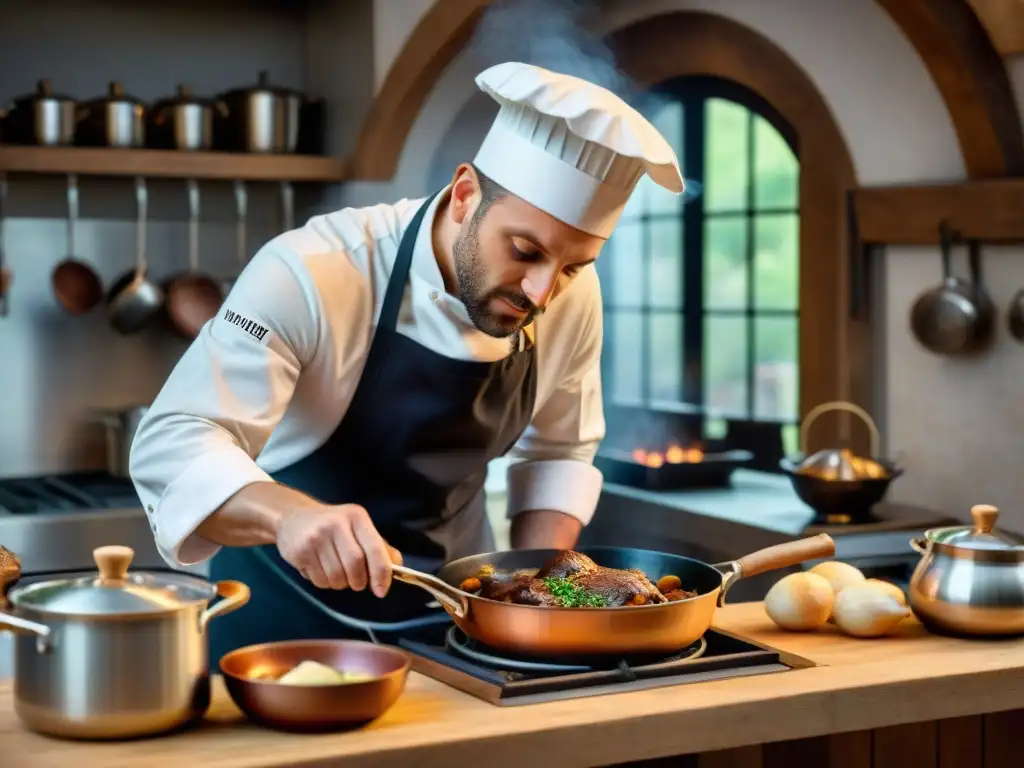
[947, 35]
[438, 38]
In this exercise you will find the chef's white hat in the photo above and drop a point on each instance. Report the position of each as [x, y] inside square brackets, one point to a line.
[569, 147]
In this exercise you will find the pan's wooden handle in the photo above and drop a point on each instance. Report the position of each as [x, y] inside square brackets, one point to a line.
[785, 555]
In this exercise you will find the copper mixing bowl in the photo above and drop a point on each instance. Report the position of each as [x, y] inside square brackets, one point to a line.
[314, 708]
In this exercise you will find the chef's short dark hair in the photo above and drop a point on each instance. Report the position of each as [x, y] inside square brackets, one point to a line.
[490, 192]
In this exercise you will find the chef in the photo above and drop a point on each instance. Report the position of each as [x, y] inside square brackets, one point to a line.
[339, 413]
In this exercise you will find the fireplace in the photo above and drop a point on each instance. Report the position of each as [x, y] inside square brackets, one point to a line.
[658, 450]
[672, 468]
[654, 470]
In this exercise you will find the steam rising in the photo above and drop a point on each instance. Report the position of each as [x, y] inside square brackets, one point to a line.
[555, 34]
[552, 34]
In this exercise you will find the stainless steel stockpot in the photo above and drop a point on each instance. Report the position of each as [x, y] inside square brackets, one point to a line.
[114, 654]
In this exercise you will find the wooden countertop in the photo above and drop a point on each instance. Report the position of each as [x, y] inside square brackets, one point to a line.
[911, 676]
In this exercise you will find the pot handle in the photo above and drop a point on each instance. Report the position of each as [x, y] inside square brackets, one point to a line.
[235, 594]
[26, 627]
[453, 600]
[919, 545]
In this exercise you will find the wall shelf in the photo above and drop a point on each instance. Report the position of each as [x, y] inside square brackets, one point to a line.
[170, 164]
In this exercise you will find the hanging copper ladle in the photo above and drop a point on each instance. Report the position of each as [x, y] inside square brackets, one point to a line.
[75, 284]
[193, 298]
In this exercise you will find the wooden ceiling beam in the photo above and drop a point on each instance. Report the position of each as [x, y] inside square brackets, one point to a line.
[972, 78]
[1004, 22]
[990, 211]
[948, 35]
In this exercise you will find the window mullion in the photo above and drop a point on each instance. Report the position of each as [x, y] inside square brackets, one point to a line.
[645, 310]
[693, 253]
[751, 250]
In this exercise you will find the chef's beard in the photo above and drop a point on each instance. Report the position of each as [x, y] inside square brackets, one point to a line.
[470, 273]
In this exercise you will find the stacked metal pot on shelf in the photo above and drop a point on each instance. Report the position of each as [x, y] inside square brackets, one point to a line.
[259, 118]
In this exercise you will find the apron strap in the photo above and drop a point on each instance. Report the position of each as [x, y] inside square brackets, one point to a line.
[395, 291]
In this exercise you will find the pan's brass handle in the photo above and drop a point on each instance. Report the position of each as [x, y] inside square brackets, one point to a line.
[785, 555]
[772, 559]
[840, 405]
[731, 573]
[453, 600]
[235, 594]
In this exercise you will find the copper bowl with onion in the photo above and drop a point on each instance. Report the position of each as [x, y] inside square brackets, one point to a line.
[251, 676]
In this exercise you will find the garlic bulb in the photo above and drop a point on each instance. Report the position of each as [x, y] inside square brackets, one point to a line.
[799, 601]
[867, 611]
[888, 588]
[839, 575]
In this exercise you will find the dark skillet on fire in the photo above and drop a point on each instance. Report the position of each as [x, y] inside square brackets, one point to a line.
[654, 627]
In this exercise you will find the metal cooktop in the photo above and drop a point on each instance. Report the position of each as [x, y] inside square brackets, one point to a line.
[447, 655]
[54, 522]
[71, 492]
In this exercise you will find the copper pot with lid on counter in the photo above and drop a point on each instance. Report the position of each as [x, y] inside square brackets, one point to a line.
[114, 654]
[970, 580]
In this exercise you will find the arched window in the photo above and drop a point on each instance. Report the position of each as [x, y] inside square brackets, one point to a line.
[701, 291]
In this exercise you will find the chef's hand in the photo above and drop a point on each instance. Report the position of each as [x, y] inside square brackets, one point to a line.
[337, 547]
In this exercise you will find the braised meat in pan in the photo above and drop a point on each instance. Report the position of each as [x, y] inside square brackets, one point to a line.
[573, 580]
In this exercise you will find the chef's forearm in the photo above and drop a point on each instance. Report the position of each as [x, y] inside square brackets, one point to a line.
[544, 529]
[252, 516]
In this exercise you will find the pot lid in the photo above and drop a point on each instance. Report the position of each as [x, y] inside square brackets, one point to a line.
[116, 94]
[43, 92]
[263, 85]
[841, 464]
[183, 95]
[114, 591]
[981, 535]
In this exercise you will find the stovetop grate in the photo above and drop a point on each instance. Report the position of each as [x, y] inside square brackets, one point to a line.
[66, 493]
[724, 656]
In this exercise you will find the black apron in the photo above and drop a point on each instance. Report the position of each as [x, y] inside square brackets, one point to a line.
[412, 449]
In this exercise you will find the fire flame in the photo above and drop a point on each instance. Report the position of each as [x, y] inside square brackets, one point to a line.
[674, 454]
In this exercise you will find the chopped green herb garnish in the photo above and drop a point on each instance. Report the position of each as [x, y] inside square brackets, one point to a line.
[569, 595]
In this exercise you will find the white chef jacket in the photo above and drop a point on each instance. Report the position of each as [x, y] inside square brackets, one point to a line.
[269, 379]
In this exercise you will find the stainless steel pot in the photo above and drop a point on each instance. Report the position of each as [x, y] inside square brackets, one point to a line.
[120, 427]
[114, 655]
[183, 121]
[261, 118]
[970, 580]
[115, 120]
[42, 118]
